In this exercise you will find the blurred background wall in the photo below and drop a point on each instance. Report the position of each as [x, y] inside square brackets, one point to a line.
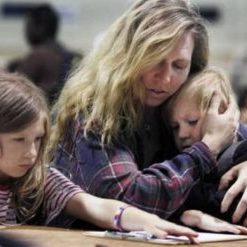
[83, 21]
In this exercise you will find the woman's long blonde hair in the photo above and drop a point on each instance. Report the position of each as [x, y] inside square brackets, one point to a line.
[106, 88]
[22, 103]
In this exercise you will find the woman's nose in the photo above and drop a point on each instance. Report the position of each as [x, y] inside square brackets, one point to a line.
[163, 74]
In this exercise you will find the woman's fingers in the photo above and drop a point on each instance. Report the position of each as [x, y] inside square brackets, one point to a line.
[238, 173]
[219, 129]
[241, 208]
[230, 195]
[227, 178]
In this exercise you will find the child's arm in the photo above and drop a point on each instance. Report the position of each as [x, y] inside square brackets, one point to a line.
[101, 212]
[196, 218]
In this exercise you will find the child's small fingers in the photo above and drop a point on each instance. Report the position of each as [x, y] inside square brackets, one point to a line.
[159, 233]
[230, 228]
[178, 230]
[242, 229]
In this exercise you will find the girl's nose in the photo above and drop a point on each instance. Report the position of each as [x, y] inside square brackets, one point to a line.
[32, 151]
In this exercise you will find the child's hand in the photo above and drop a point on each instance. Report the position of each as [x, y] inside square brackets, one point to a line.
[196, 218]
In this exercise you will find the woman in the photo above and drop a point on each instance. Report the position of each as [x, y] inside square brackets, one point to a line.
[108, 123]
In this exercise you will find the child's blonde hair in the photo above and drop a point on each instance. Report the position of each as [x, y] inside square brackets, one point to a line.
[22, 103]
[200, 88]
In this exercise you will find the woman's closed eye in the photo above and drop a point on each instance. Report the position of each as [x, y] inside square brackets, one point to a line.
[181, 65]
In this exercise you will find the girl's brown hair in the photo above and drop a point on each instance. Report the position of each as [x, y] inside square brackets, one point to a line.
[22, 103]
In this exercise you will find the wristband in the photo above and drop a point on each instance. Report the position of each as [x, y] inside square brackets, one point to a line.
[118, 216]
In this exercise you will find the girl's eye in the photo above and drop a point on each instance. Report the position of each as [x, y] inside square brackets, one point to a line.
[20, 139]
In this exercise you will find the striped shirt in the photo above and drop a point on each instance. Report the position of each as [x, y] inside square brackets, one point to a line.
[58, 191]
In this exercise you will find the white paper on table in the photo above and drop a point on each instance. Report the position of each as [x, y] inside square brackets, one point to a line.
[144, 237]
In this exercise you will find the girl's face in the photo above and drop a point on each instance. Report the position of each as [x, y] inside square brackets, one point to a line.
[19, 150]
[186, 123]
[164, 79]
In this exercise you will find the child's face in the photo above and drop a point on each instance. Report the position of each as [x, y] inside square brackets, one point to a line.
[186, 123]
[19, 150]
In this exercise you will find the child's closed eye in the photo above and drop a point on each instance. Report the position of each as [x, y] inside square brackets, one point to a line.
[174, 127]
[193, 122]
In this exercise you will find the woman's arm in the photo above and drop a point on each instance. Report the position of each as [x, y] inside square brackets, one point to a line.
[115, 174]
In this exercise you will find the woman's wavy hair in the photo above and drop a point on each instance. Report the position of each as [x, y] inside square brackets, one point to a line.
[106, 87]
[22, 103]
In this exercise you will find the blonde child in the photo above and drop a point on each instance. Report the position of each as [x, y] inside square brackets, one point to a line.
[185, 113]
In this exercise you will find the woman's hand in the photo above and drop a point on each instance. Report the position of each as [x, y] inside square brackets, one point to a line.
[219, 129]
[239, 174]
[196, 218]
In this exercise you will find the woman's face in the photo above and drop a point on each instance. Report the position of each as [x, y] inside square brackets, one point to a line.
[164, 79]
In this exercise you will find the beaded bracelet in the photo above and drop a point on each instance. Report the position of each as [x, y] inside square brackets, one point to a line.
[118, 216]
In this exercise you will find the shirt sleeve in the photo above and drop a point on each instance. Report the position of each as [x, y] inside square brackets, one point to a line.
[58, 191]
[160, 188]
